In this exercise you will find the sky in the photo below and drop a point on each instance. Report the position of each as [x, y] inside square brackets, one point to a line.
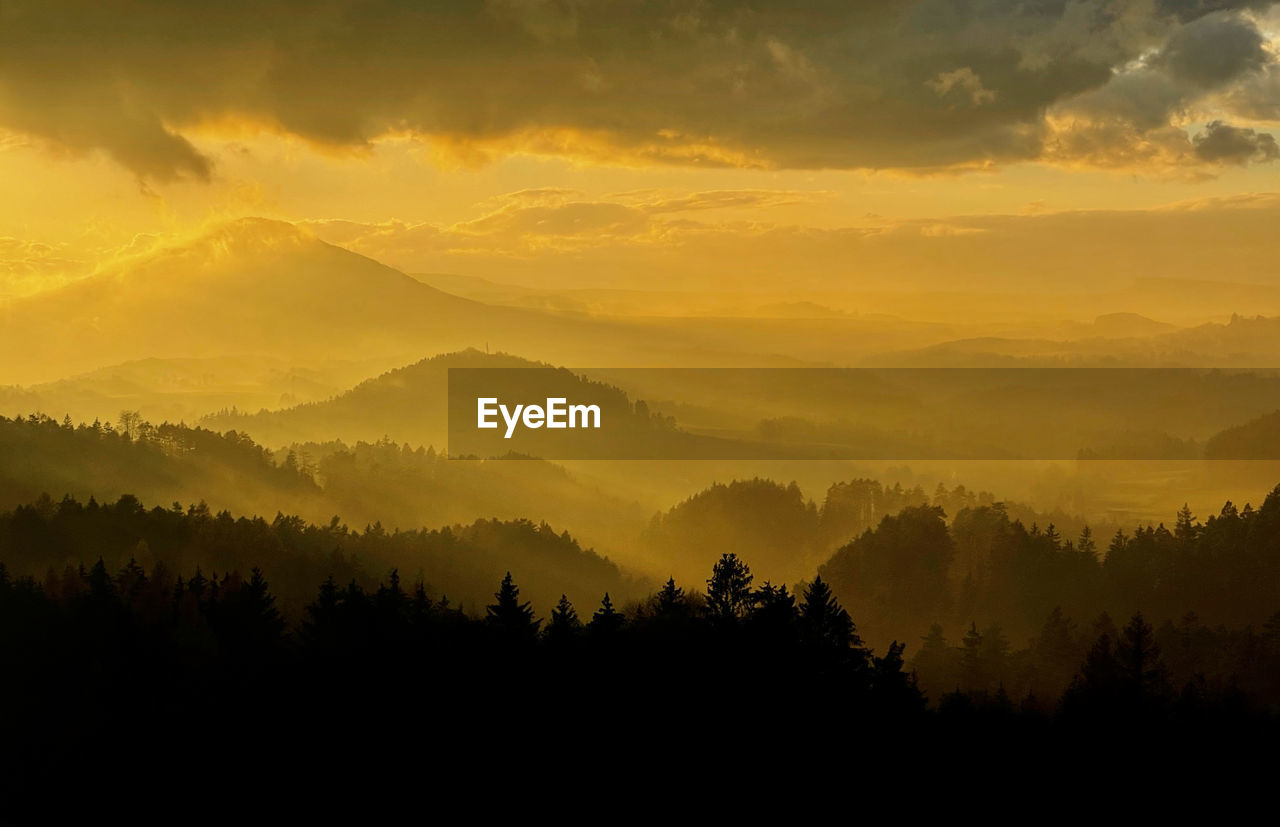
[569, 143]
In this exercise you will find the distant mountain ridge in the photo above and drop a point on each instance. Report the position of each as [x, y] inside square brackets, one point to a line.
[258, 286]
[1239, 343]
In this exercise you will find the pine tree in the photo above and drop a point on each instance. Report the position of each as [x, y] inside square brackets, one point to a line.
[1096, 685]
[101, 588]
[1056, 653]
[1138, 657]
[391, 600]
[607, 619]
[131, 580]
[775, 613]
[564, 623]
[420, 605]
[256, 603]
[1086, 544]
[729, 595]
[511, 618]
[895, 688]
[824, 621]
[322, 613]
[1185, 529]
[671, 603]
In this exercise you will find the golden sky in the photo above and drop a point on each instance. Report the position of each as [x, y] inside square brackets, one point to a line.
[569, 143]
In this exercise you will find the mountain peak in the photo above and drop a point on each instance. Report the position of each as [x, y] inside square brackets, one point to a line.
[235, 241]
[255, 230]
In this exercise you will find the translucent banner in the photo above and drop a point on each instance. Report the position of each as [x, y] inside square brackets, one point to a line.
[864, 413]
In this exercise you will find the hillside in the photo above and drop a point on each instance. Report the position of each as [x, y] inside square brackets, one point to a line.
[462, 562]
[1257, 439]
[364, 483]
[256, 286]
[407, 404]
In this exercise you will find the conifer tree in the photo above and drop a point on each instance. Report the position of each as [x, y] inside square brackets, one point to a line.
[564, 623]
[1086, 542]
[100, 586]
[1185, 529]
[729, 595]
[258, 605]
[1138, 657]
[508, 616]
[607, 619]
[823, 620]
[671, 602]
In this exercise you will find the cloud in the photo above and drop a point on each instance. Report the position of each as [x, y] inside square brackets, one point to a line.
[1256, 97]
[1212, 51]
[23, 257]
[722, 199]
[526, 224]
[905, 84]
[28, 266]
[594, 220]
[604, 244]
[1211, 67]
[1223, 143]
[962, 80]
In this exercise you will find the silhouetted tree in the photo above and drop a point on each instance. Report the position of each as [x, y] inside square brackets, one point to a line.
[606, 620]
[1138, 656]
[564, 623]
[774, 616]
[671, 603]
[508, 616]
[729, 595]
[823, 620]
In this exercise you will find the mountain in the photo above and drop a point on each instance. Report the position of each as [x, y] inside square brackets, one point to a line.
[1128, 325]
[256, 286]
[1117, 340]
[407, 404]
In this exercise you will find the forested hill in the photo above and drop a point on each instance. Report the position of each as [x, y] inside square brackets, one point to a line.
[914, 569]
[398, 485]
[407, 404]
[159, 463]
[55, 541]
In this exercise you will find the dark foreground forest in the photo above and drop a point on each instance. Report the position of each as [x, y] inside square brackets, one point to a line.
[116, 678]
[946, 639]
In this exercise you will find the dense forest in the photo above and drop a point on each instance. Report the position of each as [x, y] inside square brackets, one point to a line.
[914, 569]
[365, 482]
[50, 539]
[903, 615]
[398, 485]
[105, 663]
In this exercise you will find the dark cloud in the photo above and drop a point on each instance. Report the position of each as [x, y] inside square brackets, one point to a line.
[1188, 10]
[917, 84]
[1214, 50]
[1223, 143]
[1258, 96]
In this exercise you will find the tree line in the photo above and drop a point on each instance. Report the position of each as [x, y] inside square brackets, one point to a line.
[117, 675]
